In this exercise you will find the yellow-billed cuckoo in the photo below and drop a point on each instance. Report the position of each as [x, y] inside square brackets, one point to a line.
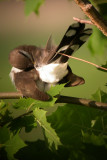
[36, 69]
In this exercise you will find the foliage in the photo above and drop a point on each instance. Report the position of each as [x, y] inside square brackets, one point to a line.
[97, 43]
[70, 132]
[100, 96]
[32, 6]
[50, 134]
[105, 66]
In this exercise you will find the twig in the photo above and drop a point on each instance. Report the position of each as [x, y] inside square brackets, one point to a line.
[61, 99]
[79, 59]
[93, 14]
[82, 20]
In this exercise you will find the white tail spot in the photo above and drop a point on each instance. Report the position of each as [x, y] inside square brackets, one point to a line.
[76, 25]
[71, 32]
[89, 31]
[84, 38]
[63, 48]
[75, 47]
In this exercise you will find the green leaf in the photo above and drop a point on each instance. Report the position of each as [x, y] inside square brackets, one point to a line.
[105, 66]
[97, 42]
[97, 96]
[103, 97]
[4, 135]
[70, 121]
[99, 1]
[102, 7]
[100, 96]
[55, 90]
[32, 6]
[27, 121]
[36, 150]
[2, 104]
[13, 145]
[32, 103]
[50, 134]
[5, 116]
[93, 139]
[24, 103]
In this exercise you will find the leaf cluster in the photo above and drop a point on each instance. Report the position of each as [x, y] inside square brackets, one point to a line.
[70, 132]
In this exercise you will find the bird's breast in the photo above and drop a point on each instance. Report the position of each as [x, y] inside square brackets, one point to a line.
[52, 73]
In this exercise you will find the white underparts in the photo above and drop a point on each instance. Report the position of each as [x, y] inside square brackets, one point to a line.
[13, 71]
[52, 73]
[49, 75]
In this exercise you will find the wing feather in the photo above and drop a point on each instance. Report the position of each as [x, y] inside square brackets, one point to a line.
[25, 82]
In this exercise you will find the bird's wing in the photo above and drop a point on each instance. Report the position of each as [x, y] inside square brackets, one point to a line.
[25, 82]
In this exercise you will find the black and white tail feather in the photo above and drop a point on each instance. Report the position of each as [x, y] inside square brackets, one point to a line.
[73, 39]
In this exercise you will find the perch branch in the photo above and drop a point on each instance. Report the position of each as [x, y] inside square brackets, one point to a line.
[82, 101]
[10, 95]
[61, 99]
[82, 20]
[93, 14]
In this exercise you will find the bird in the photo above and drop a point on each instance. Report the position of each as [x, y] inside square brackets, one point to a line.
[35, 70]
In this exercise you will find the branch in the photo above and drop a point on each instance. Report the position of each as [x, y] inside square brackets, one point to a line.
[79, 59]
[10, 95]
[82, 101]
[82, 20]
[61, 99]
[93, 14]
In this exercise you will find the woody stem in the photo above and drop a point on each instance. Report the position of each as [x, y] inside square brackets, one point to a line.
[61, 99]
